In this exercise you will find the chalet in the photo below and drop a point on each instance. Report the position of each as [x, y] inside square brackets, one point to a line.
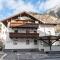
[27, 30]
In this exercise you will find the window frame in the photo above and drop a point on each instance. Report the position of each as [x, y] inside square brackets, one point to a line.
[35, 42]
[27, 42]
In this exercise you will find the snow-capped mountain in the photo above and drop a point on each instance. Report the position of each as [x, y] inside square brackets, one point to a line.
[54, 11]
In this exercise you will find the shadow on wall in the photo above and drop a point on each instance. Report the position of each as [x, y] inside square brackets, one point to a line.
[1, 46]
[41, 33]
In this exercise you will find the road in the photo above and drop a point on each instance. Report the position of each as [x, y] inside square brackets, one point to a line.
[30, 56]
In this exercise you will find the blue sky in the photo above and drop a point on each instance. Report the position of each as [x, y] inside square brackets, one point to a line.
[11, 7]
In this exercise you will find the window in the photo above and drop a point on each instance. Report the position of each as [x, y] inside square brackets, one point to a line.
[16, 31]
[36, 21]
[49, 32]
[15, 42]
[27, 31]
[35, 42]
[35, 31]
[27, 41]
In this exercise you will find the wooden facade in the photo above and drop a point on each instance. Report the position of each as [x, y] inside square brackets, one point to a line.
[24, 35]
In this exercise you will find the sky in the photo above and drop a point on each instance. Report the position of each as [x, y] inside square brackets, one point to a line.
[11, 7]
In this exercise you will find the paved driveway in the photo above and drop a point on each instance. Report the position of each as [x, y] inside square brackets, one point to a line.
[30, 56]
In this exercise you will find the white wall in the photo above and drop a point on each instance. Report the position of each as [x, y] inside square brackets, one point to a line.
[47, 48]
[21, 44]
[3, 33]
[53, 48]
[45, 30]
[22, 30]
[42, 30]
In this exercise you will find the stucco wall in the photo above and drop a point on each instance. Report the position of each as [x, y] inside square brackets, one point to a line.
[45, 30]
[21, 44]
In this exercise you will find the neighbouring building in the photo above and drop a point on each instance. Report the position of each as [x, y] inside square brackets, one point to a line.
[23, 31]
[1, 36]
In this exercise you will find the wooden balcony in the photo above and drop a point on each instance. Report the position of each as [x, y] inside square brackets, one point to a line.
[27, 25]
[23, 35]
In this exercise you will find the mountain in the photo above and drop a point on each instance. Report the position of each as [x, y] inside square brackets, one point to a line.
[54, 11]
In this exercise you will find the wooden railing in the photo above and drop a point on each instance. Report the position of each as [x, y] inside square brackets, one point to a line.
[23, 35]
[27, 25]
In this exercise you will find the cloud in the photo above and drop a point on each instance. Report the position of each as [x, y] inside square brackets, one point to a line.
[49, 4]
[20, 5]
[1, 4]
[17, 6]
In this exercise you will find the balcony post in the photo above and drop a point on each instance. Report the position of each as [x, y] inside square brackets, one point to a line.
[49, 42]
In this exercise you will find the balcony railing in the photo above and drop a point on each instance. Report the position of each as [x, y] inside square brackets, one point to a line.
[27, 25]
[23, 35]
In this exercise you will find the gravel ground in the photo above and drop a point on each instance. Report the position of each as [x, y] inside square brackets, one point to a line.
[30, 56]
[1, 54]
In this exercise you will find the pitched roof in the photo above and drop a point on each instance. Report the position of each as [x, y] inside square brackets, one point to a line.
[21, 14]
[48, 19]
